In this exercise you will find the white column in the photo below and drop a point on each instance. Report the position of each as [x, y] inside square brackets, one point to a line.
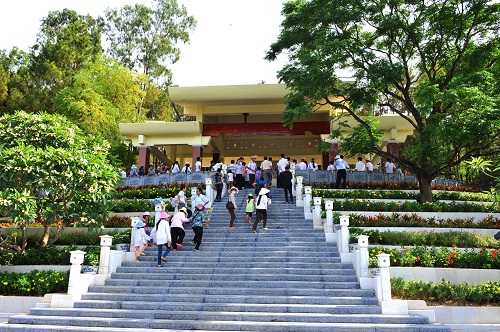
[133, 223]
[384, 261]
[106, 241]
[208, 189]
[224, 183]
[76, 260]
[158, 211]
[307, 202]
[329, 216]
[344, 234]
[317, 213]
[193, 192]
[298, 191]
[363, 255]
[293, 181]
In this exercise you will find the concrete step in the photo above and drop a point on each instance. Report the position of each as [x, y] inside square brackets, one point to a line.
[284, 279]
[232, 316]
[219, 325]
[155, 287]
[353, 306]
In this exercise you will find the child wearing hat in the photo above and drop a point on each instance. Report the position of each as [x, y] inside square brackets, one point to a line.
[161, 235]
[249, 208]
[140, 240]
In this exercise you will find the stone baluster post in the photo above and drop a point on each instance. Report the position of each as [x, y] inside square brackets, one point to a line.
[307, 202]
[224, 183]
[317, 212]
[76, 260]
[133, 223]
[384, 261]
[158, 211]
[293, 181]
[363, 256]
[209, 191]
[329, 216]
[193, 192]
[344, 234]
[106, 241]
[298, 191]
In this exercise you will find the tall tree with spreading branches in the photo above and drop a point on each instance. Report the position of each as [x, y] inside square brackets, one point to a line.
[433, 63]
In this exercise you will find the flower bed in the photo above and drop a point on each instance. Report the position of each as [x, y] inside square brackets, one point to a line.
[442, 257]
[34, 283]
[414, 220]
[446, 293]
[401, 194]
[365, 205]
[427, 238]
[48, 256]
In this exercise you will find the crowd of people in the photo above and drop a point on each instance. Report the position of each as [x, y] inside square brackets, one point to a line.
[238, 174]
[244, 175]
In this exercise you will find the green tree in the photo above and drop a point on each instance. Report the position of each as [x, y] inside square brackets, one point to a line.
[100, 96]
[67, 42]
[16, 64]
[144, 38]
[50, 171]
[434, 63]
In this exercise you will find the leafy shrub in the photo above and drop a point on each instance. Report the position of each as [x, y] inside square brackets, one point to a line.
[431, 238]
[414, 220]
[400, 194]
[79, 238]
[130, 205]
[444, 292]
[442, 257]
[33, 283]
[37, 256]
[362, 205]
[92, 254]
[121, 237]
[117, 222]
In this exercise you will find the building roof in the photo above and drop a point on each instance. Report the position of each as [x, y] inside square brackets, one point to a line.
[253, 94]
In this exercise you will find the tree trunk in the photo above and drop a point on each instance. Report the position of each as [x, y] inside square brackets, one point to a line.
[46, 233]
[424, 182]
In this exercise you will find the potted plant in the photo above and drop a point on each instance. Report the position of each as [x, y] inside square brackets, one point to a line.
[373, 268]
[121, 240]
[91, 260]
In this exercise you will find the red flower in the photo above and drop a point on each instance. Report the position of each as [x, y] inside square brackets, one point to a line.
[453, 245]
[494, 253]
[454, 254]
[452, 261]
[448, 257]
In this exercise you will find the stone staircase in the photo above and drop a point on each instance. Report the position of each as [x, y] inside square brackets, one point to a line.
[284, 279]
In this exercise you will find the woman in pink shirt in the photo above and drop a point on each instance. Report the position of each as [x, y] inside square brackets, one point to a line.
[177, 227]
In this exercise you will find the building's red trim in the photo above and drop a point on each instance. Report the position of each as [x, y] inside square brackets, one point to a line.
[257, 129]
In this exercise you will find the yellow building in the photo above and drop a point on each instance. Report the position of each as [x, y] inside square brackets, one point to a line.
[241, 121]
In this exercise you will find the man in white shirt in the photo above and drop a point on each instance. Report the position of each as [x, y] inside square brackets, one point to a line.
[360, 166]
[197, 165]
[303, 165]
[282, 163]
[330, 167]
[390, 167]
[251, 169]
[267, 170]
[369, 166]
[341, 167]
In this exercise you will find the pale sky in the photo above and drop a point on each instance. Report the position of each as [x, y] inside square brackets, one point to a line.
[227, 47]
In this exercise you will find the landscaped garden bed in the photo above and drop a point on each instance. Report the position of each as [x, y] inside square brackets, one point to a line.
[426, 238]
[445, 293]
[33, 283]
